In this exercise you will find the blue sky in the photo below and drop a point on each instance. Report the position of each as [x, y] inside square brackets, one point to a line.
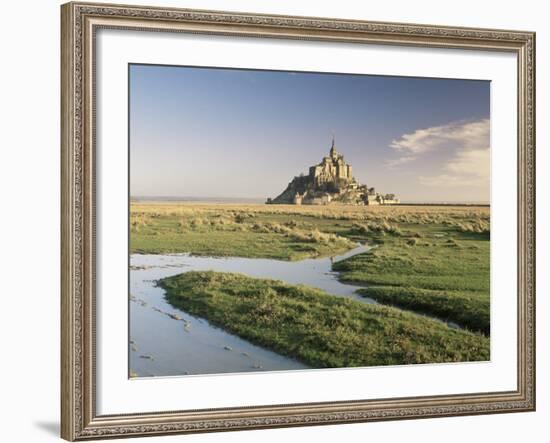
[208, 132]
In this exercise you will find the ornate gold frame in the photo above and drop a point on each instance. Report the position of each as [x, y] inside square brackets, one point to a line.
[79, 21]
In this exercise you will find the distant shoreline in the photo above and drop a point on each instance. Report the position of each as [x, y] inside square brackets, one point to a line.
[227, 200]
[199, 199]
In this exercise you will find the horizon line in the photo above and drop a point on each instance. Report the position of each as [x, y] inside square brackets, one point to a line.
[263, 199]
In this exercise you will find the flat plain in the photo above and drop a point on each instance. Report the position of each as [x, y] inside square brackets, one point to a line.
[428, 271]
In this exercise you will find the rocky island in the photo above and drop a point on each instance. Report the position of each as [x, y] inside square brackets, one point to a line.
[331, 182]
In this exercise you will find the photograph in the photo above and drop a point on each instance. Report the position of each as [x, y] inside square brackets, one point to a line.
[288, 220]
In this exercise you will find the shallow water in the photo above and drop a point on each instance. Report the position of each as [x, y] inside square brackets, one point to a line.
[168, 341]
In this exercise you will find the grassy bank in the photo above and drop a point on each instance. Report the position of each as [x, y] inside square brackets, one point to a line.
[319, 329]
[432, 269]
[286, 232]
[428, 259]
[220, 230]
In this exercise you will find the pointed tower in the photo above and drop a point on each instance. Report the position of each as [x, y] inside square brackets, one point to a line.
[333, 152]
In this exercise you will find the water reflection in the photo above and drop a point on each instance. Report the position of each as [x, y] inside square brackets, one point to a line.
[167, 341]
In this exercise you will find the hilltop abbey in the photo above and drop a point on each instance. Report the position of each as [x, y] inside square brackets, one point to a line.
[331, 181]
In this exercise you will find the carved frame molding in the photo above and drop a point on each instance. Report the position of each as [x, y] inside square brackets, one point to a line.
[79, 24]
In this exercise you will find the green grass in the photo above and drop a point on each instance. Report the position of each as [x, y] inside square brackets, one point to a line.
[442, 271]
[233, 234]
[431, 260]
[317, 328]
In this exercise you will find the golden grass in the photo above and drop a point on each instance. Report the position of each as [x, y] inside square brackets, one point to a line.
[397, 213]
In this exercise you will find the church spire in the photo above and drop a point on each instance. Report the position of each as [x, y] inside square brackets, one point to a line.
[333, 152]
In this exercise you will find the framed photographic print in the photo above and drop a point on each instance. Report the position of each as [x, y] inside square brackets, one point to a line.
[254, 207]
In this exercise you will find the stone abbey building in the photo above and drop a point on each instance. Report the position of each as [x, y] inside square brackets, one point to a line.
[331, 181]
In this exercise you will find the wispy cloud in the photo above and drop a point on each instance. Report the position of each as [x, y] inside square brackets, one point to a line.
[470, 135]
[467, 168]
[466, 146]
[392, 163]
